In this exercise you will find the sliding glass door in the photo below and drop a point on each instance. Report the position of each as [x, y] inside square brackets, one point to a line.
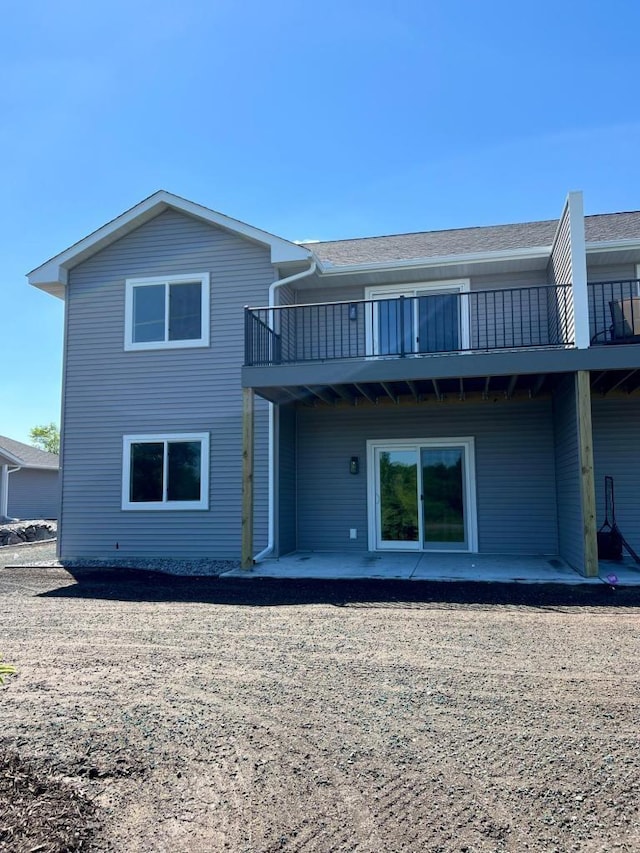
[422, 495]
[424, 319]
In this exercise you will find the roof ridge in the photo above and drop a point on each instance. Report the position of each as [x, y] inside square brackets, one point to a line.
[613, 213]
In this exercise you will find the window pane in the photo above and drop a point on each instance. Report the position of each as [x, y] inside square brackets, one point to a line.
[148, 313]
[394, 324]
[146, 472]
[439, 322]
[443, 484]
[185, 311]
[184, 471]
[399, 495]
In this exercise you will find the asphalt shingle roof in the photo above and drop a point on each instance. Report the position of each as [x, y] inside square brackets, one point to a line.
[463, 241]
[30, 457]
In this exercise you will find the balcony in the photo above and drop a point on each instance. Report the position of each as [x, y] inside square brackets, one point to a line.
[614, 312]
[436, 323]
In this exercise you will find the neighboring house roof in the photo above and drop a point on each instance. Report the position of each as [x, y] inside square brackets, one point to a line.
[27, 456]
[466, 241]
[52, 275]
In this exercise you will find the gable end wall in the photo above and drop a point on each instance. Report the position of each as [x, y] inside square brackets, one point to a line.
[110, 393]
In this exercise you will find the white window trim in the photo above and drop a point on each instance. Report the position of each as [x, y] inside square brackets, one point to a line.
[468, 442]
[128, 440]
[132, 283]
[456, 285]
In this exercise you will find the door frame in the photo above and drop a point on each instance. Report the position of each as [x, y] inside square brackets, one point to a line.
[411, 290]
[471, 511]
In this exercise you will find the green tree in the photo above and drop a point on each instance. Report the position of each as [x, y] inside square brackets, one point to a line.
[46, 437]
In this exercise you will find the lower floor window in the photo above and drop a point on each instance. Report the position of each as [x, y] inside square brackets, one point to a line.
[166, 471]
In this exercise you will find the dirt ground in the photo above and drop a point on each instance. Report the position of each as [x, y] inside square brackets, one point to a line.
[203, 714]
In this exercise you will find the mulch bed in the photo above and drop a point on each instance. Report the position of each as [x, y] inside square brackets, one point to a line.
[39, 813]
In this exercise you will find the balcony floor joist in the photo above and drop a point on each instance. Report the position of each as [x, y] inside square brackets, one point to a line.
[447, 389]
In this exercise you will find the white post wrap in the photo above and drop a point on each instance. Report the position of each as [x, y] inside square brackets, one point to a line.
[4, 492]
[579, 269]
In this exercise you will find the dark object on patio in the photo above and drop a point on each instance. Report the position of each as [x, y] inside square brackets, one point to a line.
[610, 539]
[625, 314]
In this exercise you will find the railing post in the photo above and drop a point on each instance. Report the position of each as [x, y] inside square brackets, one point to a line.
[402, 353]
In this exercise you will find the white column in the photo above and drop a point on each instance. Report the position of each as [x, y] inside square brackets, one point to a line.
[4, 491]
[579, 269]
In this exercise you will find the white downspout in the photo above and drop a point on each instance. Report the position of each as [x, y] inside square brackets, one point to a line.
[273, 287]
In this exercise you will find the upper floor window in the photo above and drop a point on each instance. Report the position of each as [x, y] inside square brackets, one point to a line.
[171, 312]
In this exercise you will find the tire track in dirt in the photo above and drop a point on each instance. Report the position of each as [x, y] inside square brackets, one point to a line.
[312, 728]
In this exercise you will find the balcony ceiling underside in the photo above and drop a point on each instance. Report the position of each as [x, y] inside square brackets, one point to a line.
[510, 386]
[407, 391]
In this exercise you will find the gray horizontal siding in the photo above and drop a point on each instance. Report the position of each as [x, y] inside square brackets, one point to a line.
[515, 471]
[616, 427]
[610, 272]
[559, 268]
[34, 494]
[309, 296]
[287, 512]
[110, 393]
[570, 523]
[529, 278]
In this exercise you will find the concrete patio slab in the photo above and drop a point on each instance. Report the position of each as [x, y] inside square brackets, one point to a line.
[491, 568]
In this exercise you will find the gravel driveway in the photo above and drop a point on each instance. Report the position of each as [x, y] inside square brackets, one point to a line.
[204, 714]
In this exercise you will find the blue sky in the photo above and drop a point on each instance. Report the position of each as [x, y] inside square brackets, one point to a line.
[311, 120]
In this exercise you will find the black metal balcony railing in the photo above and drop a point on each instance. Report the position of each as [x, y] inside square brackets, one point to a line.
[614, 312]
[481, 320]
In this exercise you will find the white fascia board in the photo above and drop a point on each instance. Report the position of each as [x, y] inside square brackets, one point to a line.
[439, 260]
[52, 275]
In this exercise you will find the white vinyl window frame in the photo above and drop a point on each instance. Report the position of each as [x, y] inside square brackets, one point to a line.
[471, 509]
[131, 284]
[395, 291]
[167, 438]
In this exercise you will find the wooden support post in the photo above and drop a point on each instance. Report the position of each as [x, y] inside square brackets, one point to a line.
[247, 477]
[587, 482]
